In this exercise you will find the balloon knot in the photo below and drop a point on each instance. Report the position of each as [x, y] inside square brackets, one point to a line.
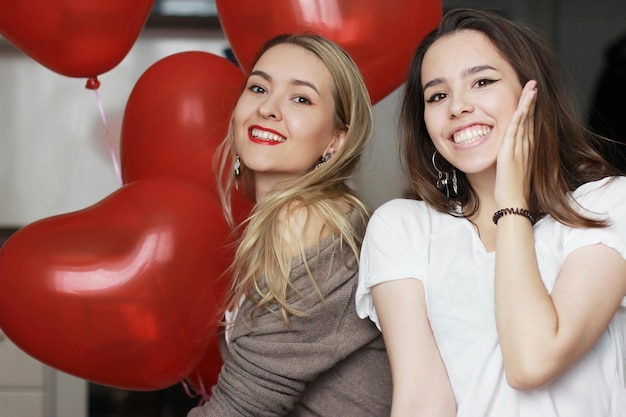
[92, 83]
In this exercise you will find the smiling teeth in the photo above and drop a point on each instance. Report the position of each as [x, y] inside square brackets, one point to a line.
[271, 137]
[470, 135]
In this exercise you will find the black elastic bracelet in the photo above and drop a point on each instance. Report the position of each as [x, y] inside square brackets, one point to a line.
[518, 211]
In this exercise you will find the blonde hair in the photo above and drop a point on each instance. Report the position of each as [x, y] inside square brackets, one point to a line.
[323, 192]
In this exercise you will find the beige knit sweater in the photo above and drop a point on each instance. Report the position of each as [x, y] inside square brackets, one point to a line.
[329, 363]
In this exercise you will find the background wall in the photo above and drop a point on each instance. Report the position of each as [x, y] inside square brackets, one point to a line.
[54, 152]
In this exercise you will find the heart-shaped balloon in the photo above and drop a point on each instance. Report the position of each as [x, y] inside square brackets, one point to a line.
[380, 35]
[76, 38]
[122, 293]
[177, 114]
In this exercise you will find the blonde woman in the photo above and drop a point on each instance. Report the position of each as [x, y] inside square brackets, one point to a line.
[295, 346]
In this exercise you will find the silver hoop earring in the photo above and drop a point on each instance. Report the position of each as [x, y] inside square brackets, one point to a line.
[445, 180]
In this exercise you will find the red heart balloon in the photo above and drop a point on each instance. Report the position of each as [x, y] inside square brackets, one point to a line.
[380, 35]
[122, 293]
[76, 38]
[177, 114]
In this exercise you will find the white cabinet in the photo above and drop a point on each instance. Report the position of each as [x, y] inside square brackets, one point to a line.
[28, 388]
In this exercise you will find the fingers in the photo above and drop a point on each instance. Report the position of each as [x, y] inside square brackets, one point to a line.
[530, 114]
[520, 132]
[527, 105]
[512, 131]
[514, 153]
[527, 99]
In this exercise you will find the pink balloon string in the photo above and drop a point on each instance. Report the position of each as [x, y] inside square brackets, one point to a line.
[93, 84]
[204, 395]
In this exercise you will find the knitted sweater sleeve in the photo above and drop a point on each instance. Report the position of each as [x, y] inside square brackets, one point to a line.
[269, 365]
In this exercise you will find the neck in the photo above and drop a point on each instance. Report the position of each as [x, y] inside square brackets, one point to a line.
[483, 184]
[263, 183]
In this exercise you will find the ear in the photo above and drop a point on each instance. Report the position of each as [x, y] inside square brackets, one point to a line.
[337, 142]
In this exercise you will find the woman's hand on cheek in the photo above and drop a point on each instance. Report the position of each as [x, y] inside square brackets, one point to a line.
[512, 188]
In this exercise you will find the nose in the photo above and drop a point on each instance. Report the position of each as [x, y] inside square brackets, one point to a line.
[459, 103]
[269, 108]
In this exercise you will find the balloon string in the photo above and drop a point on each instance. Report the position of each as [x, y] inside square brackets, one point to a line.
[204, 395]
[116, 165]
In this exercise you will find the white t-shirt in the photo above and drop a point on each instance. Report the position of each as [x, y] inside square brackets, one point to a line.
[409, 239]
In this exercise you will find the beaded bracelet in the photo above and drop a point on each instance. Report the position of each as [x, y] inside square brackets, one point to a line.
[518, 211]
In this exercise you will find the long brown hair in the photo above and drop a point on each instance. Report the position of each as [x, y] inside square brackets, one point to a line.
[566, 154]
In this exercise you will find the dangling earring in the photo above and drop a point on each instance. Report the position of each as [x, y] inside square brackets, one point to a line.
[237, 169]
[445, 180]
[455, 183]
[323, 160]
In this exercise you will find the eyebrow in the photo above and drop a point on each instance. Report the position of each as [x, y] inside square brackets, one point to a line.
[267, 77]
[466, 73]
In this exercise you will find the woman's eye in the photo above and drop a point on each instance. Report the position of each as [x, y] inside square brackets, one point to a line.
[436, 97]
[484, 81]
[302, 100]
[257, 89]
